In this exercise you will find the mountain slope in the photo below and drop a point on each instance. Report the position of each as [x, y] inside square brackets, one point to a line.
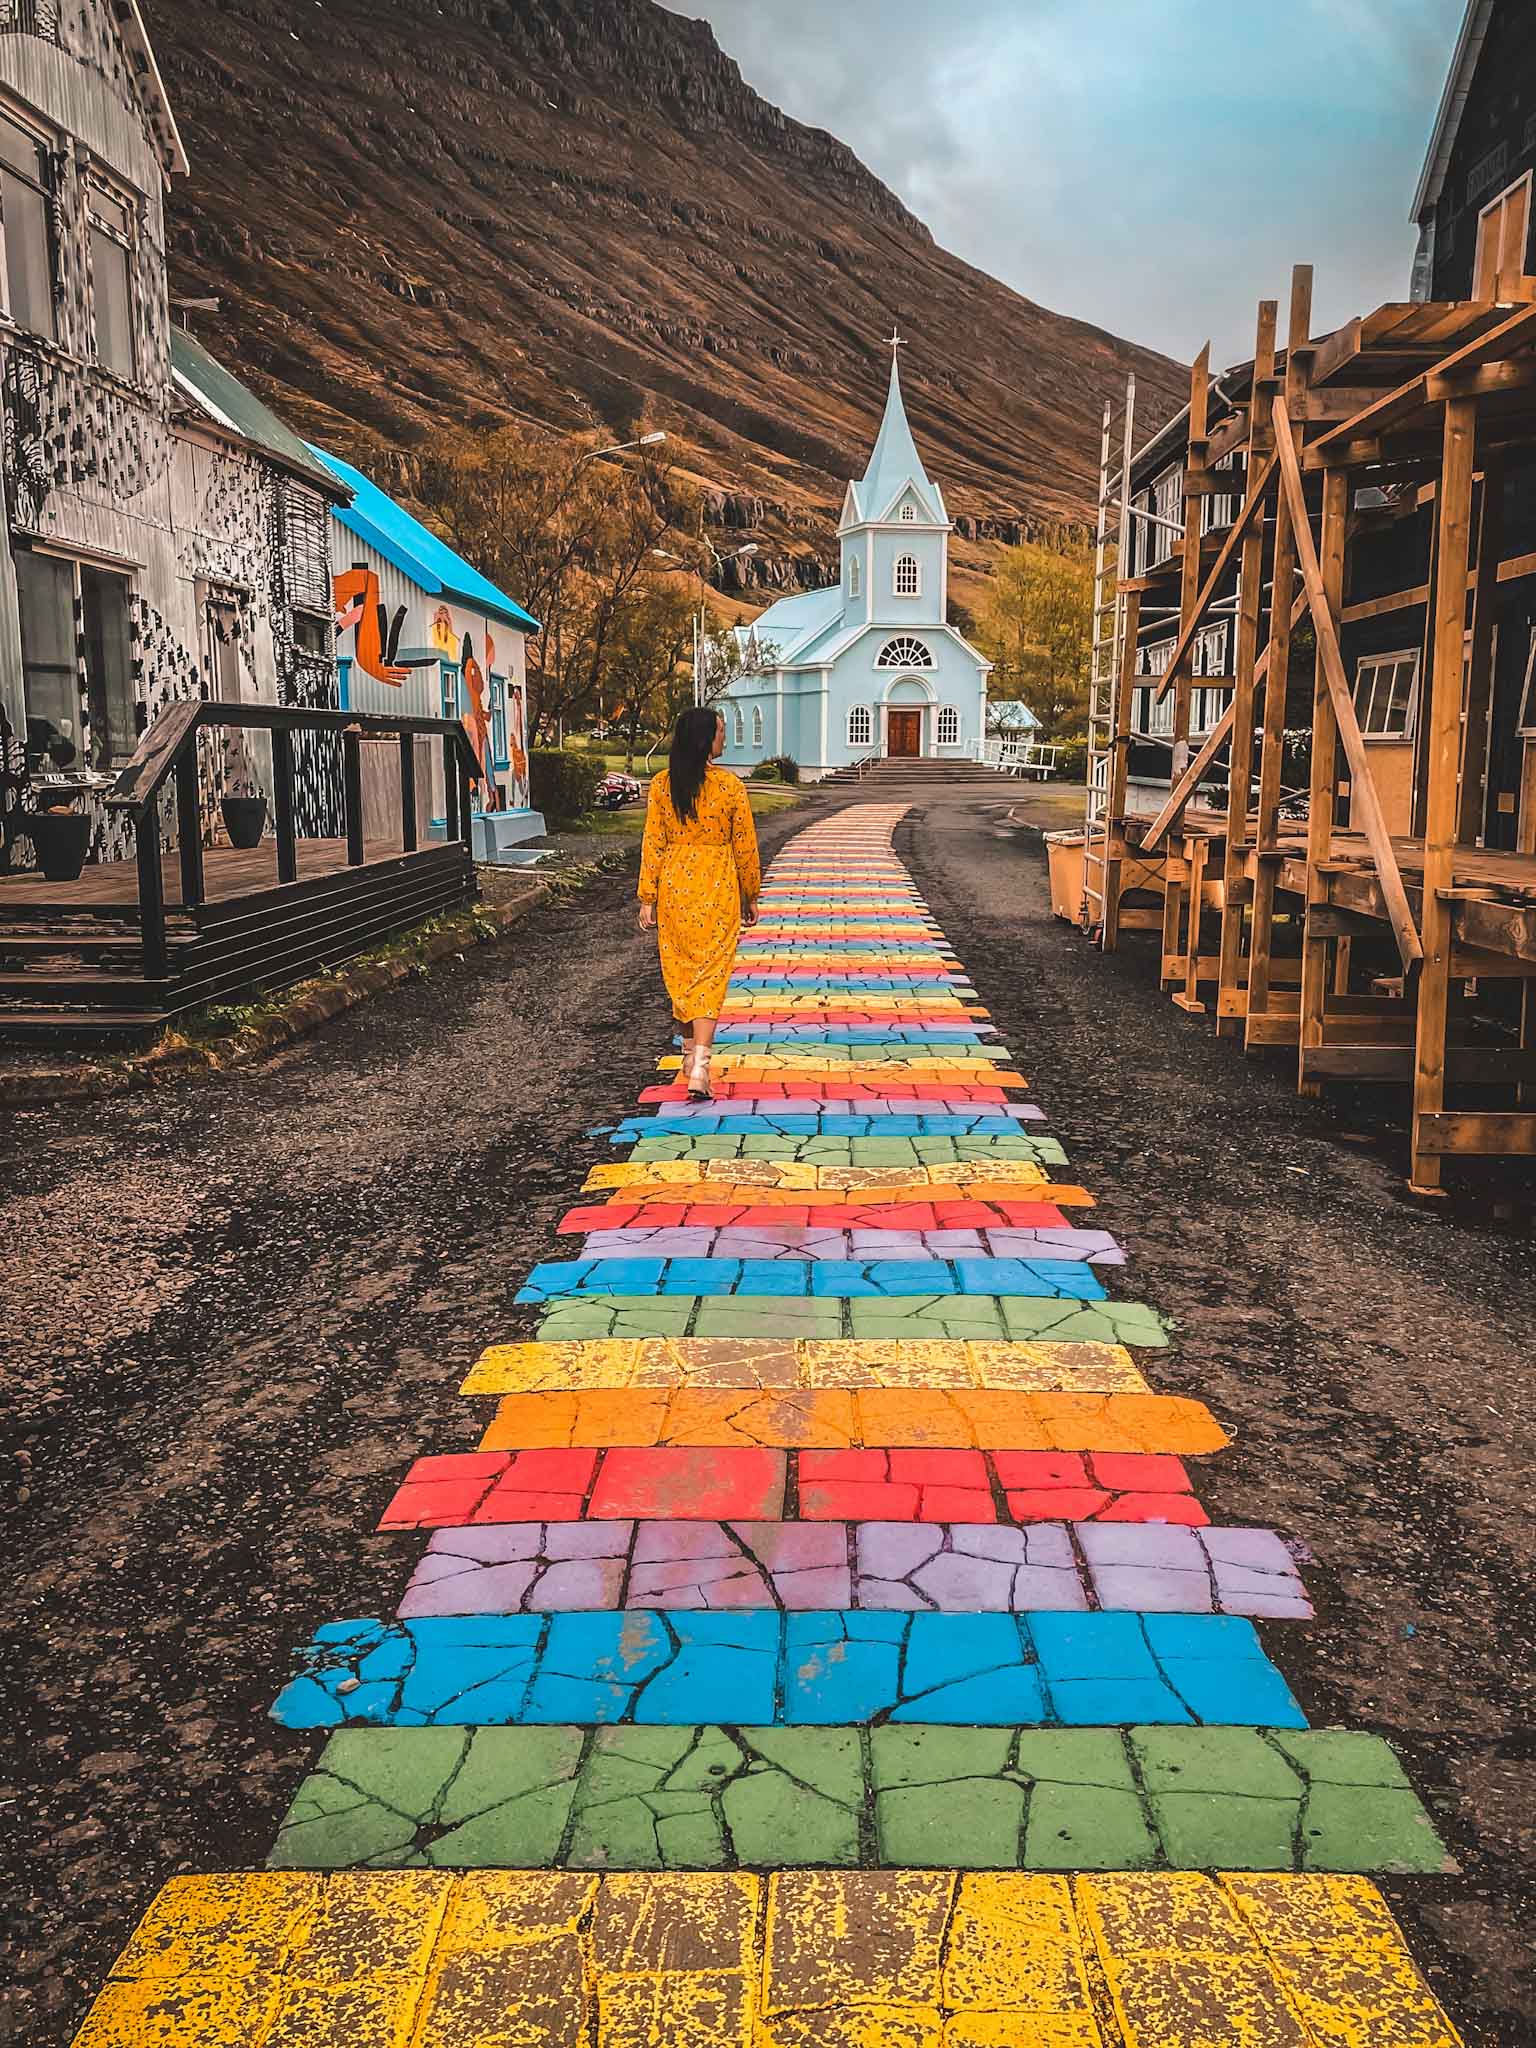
[421, 215]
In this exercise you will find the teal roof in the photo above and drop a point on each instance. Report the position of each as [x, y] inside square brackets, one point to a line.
[227, 402]
[416, 551]
[895, 461]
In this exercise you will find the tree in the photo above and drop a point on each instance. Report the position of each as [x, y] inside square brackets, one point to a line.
[650, 641]
[572, 539]
[1036, 625]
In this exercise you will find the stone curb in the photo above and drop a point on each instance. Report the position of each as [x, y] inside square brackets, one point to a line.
[305, 1009]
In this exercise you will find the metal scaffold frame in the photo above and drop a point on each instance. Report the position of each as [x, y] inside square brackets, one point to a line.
[1111, 660]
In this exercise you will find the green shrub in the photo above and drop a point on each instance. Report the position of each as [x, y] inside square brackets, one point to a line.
[767, 771]
[562, 785]
[1072, 761]
[785, 769]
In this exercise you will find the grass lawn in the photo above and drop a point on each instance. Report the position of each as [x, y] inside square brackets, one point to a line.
[765, 798]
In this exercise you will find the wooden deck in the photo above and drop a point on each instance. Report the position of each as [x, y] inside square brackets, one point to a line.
[112, 887]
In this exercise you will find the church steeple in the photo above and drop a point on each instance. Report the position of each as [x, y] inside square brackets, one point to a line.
[895, 462]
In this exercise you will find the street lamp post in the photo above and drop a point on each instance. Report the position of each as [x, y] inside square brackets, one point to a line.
[749, 548]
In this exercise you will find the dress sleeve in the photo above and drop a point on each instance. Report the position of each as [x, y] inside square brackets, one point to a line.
[658, 837]
[744, 844]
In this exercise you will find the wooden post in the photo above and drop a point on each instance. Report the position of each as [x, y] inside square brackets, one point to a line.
[1325, 748]
[282, 800]
[1442, 717]
[407, 792]
[1189, 564]
[146, 838]
[466, 803]
[1197, 851]
[450, 788]
[1119, 764]
[189, 827]
[1231, 1000]
[352, 796]
[1485, 597]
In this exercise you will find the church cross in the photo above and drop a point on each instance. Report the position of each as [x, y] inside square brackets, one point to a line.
[894, 342]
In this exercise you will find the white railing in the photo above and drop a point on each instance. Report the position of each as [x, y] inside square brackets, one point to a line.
[1017, 756]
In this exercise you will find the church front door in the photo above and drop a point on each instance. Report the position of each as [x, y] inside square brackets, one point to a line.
[904, 733]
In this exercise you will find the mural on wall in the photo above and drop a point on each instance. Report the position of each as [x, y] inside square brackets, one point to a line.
[477, 723]
[376, 648]
[443, 635]
[515, 745]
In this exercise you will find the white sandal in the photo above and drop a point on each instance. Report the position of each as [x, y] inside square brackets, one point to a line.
[696, 1073]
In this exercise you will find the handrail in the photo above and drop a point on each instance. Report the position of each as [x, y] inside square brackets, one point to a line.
[161, 742]
[169, 747]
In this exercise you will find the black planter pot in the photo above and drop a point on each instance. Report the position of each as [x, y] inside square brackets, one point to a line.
[61, 840]
[245, 819]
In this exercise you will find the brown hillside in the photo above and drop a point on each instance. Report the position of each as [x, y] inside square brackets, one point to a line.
[575, 212]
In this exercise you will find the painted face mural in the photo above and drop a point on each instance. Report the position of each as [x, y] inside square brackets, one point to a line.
[477, 723]
[443, 636]
[355, 593]
[515, 746]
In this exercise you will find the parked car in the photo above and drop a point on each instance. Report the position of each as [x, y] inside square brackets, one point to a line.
[614, 791]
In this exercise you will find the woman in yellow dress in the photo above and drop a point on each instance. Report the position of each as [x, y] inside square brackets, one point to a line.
[699, 878]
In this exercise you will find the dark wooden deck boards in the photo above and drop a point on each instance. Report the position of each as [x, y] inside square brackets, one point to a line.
[227, 872]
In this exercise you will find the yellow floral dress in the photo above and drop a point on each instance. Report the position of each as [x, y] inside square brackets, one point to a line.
[697, 872]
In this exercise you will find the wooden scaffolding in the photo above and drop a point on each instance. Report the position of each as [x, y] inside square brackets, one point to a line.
[1369, 943]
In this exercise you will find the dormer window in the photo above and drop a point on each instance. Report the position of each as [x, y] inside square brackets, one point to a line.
[907, 579]
[909, 514]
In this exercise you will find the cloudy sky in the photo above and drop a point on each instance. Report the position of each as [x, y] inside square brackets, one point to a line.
[1152, 165]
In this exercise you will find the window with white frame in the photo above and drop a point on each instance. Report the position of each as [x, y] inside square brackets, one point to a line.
[1208, 656]
[1386, 692]
[1222, 509]
[853, 575]
[1164, 528]
[907, 577]
[1205, 710]
[27, 271]
[757, 725]
[63, 662]
[738, 727]
[948, 731]
[1156, 717]
[904, 652]
[861, 725]
[909, 514]
[110, 219]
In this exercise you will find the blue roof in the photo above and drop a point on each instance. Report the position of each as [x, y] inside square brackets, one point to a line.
[418, 553]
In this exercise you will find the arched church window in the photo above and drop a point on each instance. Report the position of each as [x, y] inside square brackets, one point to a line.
[739, 728]
[853, 575]
[757, 725]
[904, 652]
[908, 577]
[909, 514]
[861, 725]
[949, 726]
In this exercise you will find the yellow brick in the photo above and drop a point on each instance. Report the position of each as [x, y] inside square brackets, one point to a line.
[1194, 2000]
[372, 1924]
[676, 2009]
[1013, 1943]
[378, 2014]
[182, 2012]
[849, 1939]
[1371, 1998]
[224, 1925]
[1140, 1913]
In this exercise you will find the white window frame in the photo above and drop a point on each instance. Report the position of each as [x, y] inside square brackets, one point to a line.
[946, 729]
[900, 563]
[124, 239]
[860, 726]
[1167, 522]
[1371, 667]
[38, 185]
[738, 726]
[908, 514]
[757, 725]
[853, 575]
[897, 653]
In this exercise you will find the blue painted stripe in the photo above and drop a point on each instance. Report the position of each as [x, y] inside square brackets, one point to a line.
[830, 1279]
[827, 1668]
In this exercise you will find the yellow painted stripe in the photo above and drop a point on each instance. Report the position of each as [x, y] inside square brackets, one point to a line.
[746, 1362]
[801, 1174]
[923, 1958]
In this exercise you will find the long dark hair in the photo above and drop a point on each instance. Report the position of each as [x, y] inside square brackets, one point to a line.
[693, 740]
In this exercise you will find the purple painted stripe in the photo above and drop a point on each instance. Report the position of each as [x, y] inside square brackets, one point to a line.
[789, 1241]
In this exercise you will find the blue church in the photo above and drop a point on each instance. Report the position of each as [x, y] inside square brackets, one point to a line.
[869, 665]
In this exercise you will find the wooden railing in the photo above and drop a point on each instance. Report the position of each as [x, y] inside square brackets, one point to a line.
[168, 750]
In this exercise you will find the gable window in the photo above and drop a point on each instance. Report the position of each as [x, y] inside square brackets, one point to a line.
[904, 652]
[909, 514]
[907, 578]
[27, 270]
[757, 725]
[853, 575]
[861, 725]
[948, 726]
[1503, 232]
[1386, 687]
[739, 727]
[111, 229]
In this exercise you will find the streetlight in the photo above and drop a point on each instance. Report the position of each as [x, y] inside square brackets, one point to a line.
[621, 447]
[748, 548]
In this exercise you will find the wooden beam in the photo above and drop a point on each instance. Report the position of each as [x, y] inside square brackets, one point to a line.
[1229, 547]
[1316, 939]
[1486, 380]
[1441, 717]
[1341, 704]
[1114, 802]
[1379, 607]
[1479, 686]
[1368, 423]
[1475, 1134]
[1189, 565]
